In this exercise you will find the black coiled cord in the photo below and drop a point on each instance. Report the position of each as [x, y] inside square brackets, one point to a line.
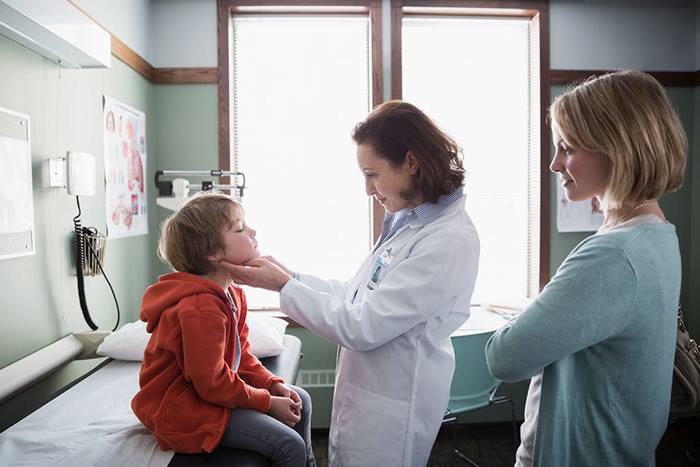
[80, 232]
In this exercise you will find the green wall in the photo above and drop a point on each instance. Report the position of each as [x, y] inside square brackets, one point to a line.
[39, 302]
[186, 135]
[319, 354]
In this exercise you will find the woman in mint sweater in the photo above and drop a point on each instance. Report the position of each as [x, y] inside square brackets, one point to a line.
[599, 340]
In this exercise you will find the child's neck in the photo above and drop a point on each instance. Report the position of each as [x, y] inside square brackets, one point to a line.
[220, 277]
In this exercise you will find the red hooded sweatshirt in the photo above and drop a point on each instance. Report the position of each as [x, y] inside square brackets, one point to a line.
[188, 386]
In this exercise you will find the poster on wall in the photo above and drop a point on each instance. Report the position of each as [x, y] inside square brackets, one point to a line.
[125, 167]
[577, 216]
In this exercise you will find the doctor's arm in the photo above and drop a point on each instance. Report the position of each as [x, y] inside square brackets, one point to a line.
[268, 273]
[333, 287]
[411, 292]
[589, 299]
[329, 286]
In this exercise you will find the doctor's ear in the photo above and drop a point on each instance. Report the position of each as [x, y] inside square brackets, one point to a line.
[411, 163]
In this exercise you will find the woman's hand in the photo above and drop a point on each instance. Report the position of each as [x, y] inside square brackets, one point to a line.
[282, 408]
[260, 273]
[281, 389]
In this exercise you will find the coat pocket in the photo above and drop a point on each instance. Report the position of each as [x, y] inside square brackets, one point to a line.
[371, 430]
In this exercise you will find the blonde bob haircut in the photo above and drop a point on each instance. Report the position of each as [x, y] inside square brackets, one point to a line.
[193, 233]
[626, 116]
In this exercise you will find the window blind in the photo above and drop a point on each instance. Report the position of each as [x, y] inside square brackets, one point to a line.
[475, 76]
[299, 85]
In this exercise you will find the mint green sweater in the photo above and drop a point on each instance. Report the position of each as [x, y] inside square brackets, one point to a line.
[603, 333]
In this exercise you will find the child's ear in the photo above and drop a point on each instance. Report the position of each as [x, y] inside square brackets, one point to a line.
[214, 258]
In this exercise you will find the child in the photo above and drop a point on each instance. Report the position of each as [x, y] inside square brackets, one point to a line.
[200, 385]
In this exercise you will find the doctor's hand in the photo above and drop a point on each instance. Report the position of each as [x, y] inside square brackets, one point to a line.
[260, 273]
[274, 260]
[282, 408]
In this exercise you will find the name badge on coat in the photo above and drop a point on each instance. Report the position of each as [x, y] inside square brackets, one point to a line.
[379, 267]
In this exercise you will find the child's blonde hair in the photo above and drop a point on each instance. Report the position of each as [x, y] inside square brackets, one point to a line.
[627, 116]
[193, 233]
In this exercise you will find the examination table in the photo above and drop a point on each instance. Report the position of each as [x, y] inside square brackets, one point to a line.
[91, 423]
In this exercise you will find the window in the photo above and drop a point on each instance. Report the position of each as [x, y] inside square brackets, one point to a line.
[484, 93]
[299, 83]
[298, 78]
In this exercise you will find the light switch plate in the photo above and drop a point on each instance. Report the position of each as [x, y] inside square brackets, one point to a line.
[82, 175]
[57, 172]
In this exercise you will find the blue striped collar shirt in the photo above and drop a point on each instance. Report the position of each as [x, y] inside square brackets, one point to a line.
[424, 214]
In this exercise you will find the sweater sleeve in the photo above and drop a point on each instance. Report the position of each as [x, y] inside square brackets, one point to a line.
[250, 368]
[589, 299]
[204, 365]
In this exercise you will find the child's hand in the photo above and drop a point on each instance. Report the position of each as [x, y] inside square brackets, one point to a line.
[282, 408]
[297, 401]
[281, 389]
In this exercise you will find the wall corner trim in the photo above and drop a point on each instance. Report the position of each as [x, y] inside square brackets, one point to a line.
[139, 64]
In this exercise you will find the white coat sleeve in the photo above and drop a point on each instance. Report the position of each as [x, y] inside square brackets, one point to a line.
[333, 287]
[433, 275]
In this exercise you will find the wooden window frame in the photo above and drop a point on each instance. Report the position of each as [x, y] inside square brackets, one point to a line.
[227, 9]
[536, 11]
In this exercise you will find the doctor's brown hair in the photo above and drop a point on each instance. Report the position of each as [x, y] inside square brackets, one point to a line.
[395, 127]
[626, 116]
[193, 233]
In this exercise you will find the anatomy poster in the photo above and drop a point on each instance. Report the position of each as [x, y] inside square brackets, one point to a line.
[125, 168]
[577, 216]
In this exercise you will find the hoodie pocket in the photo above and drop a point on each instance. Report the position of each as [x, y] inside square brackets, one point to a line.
[181, 413]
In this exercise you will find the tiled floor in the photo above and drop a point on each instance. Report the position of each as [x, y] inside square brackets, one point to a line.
[492, 445]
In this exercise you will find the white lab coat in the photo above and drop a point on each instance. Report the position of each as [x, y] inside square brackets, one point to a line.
[396, 360]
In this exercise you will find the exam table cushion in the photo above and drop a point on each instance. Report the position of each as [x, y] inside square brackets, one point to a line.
[265, 334]
[92, 424]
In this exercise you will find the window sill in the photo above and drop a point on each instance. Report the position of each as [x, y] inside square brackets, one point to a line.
[277, 314]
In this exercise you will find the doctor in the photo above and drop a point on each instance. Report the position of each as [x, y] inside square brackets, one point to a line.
[393, 320]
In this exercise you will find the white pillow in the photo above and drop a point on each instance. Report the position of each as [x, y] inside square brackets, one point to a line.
[128, 343]
[265, 334]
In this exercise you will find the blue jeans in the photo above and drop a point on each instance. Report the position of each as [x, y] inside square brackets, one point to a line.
[283, 445]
